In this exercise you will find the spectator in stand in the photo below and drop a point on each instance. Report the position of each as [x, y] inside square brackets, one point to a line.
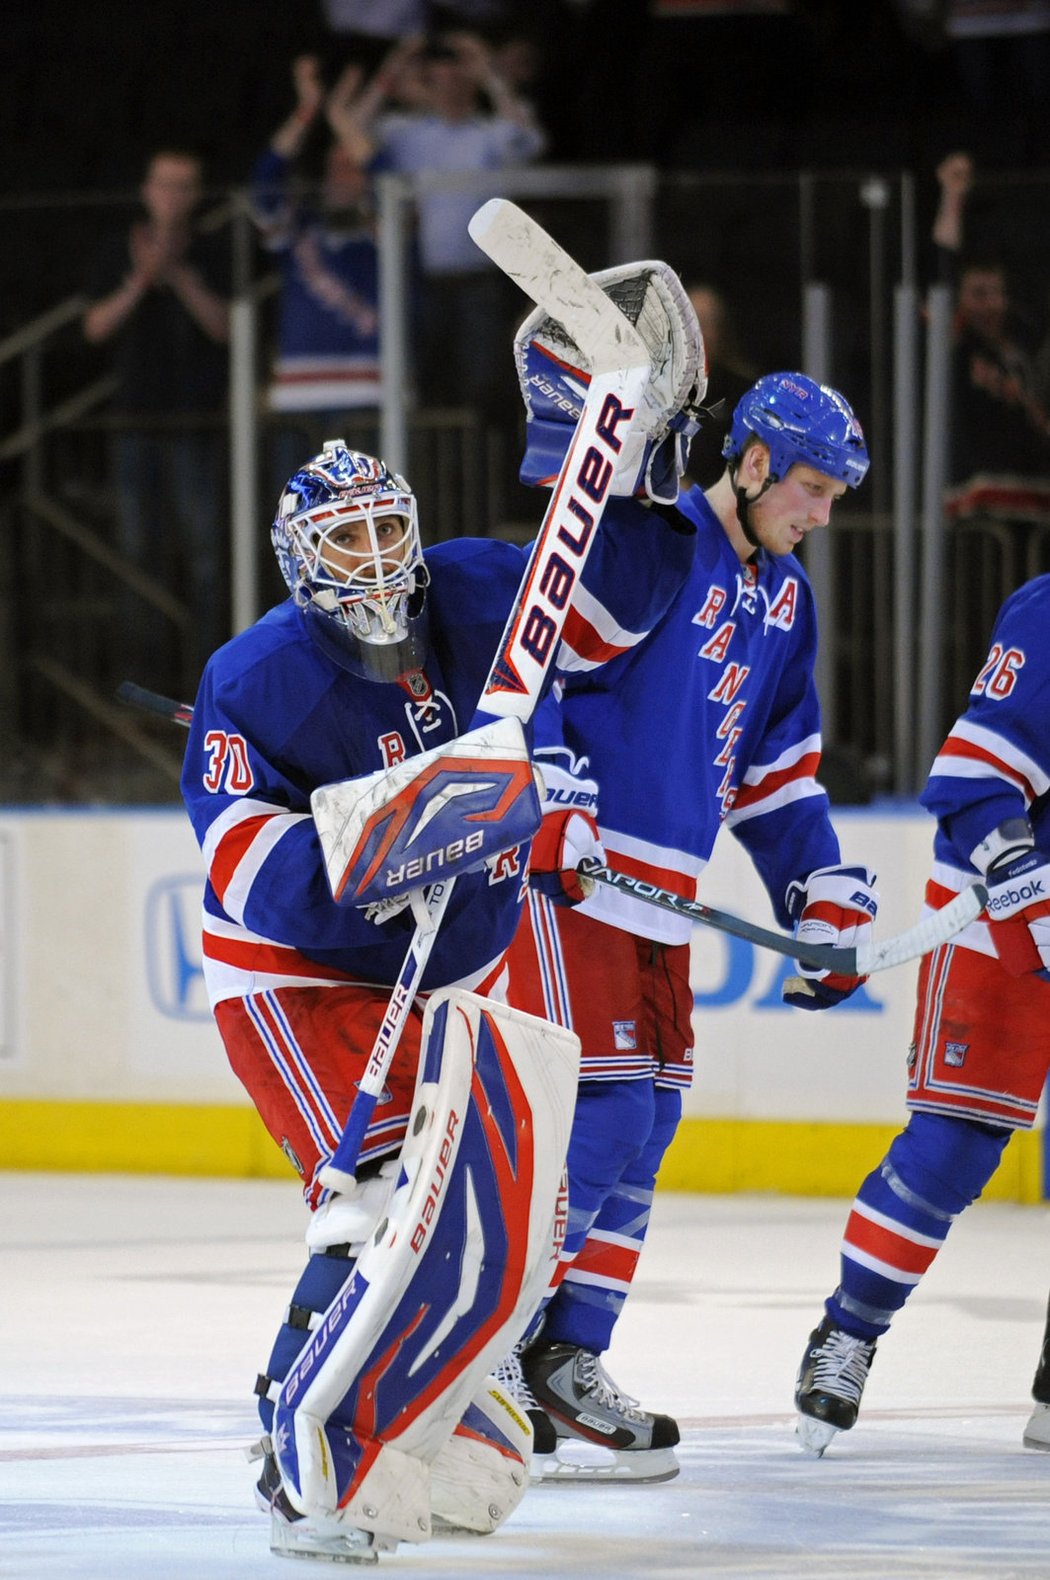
[326, 368]
[999, 426]
[469, 120]
[729, 377]
[158, 295]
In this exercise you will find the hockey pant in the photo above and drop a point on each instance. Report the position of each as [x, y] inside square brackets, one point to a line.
[300, 1053]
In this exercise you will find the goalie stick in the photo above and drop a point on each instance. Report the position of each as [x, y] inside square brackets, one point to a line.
[861, 961]
[910, 945]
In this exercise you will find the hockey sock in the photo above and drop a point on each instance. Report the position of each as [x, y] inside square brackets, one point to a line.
[323, 1277]
[902, 1213]
[611, 1123]
[596, 1283]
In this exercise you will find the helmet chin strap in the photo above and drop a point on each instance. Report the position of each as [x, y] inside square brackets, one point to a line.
[744, 501]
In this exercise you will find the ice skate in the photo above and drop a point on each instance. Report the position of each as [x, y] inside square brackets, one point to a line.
[1037, 1427]
[829, 1385]
[294, 1535]
[601, 1434]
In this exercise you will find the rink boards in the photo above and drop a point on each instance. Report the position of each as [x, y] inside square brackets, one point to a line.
[109, 1059]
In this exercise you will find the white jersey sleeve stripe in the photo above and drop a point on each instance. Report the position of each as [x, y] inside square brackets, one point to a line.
[974, 752]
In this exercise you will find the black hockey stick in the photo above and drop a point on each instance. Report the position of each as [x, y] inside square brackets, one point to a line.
[152, 702]
[927, 934]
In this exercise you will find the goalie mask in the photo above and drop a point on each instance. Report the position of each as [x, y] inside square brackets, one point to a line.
[346, 535]
[799, 420]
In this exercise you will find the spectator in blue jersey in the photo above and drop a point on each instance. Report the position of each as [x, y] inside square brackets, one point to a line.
[158, 298]
[980, 1054]
[380, 652]
[326, 368]
[467, 119]
[712, 720]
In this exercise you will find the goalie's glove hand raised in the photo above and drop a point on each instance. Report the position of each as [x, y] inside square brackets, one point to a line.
[834, 905]
[553, 374]
[1019, 912]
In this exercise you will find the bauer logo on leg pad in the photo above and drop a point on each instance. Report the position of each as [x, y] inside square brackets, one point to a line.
[451, 1276]
[433, 816]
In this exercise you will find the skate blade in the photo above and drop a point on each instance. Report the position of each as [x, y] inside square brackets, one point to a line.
[1037, 1429]
[305, 1539]
[813, 1435]
[575, 1461]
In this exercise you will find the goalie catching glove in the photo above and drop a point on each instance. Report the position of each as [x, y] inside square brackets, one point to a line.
[834, 905]
[1018, 906]
[554, 373]
[568, 832]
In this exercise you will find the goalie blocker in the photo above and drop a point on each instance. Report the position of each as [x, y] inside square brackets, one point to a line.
[443, 812]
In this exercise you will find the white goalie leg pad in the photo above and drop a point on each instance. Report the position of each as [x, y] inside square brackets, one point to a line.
[481, 1475]
[449, 1278]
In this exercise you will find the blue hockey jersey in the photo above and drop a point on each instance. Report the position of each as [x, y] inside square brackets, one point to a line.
[714, 720]
[328, 313]
[276, 717]
[995, 763]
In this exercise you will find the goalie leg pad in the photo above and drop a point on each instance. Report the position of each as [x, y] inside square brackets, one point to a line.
[450, 1277]
[480, 1476]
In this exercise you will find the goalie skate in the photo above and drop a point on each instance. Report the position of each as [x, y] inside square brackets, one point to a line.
[295, 1535]
[602, 1435]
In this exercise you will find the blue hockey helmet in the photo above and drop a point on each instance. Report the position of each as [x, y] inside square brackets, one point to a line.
[365, 591]
[799, 420]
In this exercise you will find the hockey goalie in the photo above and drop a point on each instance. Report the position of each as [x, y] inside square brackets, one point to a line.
[336, 795]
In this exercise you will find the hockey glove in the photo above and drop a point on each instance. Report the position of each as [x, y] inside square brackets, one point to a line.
[568, 832]
[832, 906]
[554, 374]
[1019, 912]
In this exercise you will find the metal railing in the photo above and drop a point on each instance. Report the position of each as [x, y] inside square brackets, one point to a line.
[905, 599]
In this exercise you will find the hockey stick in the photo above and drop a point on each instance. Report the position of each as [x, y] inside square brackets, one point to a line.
[914, 942]
[152, 702]
[866, 958]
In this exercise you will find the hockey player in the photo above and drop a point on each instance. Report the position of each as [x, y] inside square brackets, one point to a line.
[378, 656]
[981, 1052]
[713, 719]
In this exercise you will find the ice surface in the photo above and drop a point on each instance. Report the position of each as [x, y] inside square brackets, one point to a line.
[134, 1314]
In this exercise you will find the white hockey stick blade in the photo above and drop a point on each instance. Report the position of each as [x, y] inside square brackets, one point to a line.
[930, 933]
[936, 929]
[557, 283]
